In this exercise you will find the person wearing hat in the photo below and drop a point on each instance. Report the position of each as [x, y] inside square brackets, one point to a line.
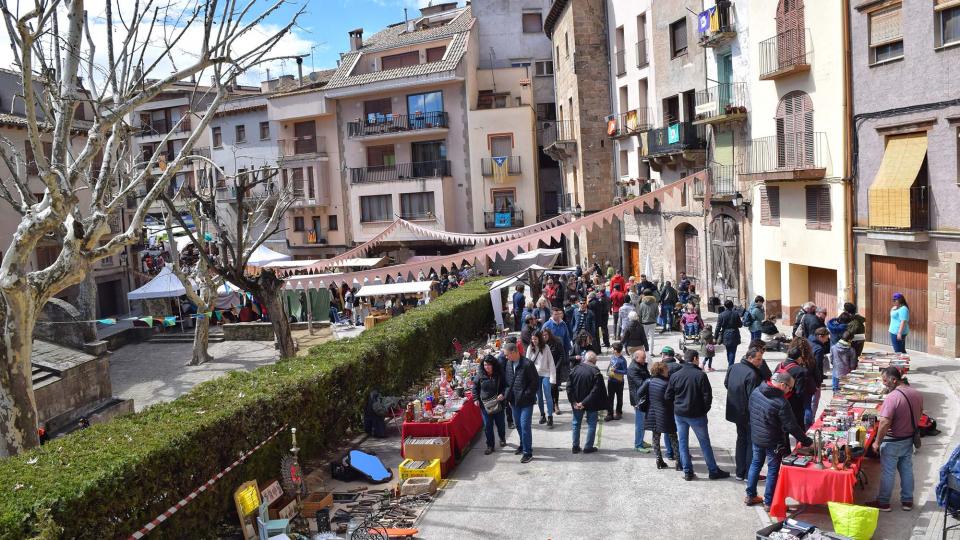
[669, 357]
[844, 360]
[899, 323]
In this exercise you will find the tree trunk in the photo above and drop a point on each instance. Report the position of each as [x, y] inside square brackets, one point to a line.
[18, 408]
[281, 325]
[200, 342]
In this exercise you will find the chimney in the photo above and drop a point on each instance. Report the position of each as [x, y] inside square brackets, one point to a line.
[356, 39]
[299, 71]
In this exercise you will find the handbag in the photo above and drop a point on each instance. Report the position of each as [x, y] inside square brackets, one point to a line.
[913, 421]
[643, 401]
[492, 405]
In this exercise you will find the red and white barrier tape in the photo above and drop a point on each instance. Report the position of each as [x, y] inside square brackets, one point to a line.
[193, 495]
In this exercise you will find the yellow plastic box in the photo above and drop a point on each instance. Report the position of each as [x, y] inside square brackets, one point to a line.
[413, 468]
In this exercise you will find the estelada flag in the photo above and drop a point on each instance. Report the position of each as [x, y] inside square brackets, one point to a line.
[500, 170]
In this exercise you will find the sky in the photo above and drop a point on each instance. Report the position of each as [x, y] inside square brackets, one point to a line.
[321, 32]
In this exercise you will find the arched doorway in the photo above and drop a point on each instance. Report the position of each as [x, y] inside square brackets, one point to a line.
[725, 257]
[687, 241]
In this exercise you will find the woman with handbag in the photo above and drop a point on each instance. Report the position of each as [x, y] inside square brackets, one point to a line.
[542, 358]
[658, 416]
[490, 387]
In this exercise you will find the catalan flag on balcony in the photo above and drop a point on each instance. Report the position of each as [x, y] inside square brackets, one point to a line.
[500, 169]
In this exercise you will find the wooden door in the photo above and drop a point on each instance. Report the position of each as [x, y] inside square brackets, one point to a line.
[889, 275]
[691, 246]
[822, 289]
[305, 134]
[725, 258]
[633, 250]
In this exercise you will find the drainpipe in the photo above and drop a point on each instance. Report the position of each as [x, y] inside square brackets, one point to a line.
[849, 209]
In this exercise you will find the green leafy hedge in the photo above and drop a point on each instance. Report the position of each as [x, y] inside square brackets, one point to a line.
[111, 479]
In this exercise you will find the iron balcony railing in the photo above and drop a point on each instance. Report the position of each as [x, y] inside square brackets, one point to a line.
[300, 146]
[724, 23]
[380, 124]
[675, 138]
[783, 53]
[488, 166]
[892, 209]
[162, 127]
[620, 59]
[551, 131]
[642, 60]
[507, 219]
[786, 152]
[721, 100]
[723, 180]
[400, 171]
[414, 216]
[630, 122]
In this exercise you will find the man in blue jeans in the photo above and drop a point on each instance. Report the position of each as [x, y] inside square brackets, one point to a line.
[588, 396]
[690, 391]
[522, 382]
[899, 416]
[771, 420]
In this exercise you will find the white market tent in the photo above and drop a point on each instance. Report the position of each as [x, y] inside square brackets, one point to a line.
[540, 257]
[496, 288]
[164, 285]
[390, 289]
[264, 255]
[292, 263]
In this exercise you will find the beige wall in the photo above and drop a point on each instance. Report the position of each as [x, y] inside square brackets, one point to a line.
[363, 232]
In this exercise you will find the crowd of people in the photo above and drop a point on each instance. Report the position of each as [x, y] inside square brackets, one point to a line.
[563, 332]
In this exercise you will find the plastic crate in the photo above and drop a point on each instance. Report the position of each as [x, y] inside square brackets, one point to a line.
[411, 469]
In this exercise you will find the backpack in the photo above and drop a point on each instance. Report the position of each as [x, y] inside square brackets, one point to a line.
[747, 318]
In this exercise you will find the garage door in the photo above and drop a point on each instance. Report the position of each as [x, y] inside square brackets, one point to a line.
[908, 276]
[822, 288]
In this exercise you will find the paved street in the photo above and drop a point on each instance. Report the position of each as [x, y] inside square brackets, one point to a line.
[618, 493]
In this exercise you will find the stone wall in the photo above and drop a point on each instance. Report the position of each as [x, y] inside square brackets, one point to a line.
[80, 385]
[52, 325]
[263, 331]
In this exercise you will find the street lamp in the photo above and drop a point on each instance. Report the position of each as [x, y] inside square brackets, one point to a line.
[739, 203]
[578, 211]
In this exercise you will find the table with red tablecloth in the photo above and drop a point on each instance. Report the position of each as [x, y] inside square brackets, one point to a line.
[810, 485]
[460, 428]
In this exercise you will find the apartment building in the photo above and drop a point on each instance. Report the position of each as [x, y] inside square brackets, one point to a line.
[401, 107]
[905, 64]
[511, 36]
[794, 165]
[577, 30]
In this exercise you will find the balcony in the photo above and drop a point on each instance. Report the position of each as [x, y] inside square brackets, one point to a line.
[312, 237]
[559, 139]
[802, 155]
[784, 54]
[306, 147]
[723, 182]
[620, 61]
[674, 139]
[400, 172]
[384, 125]
[721, 104]
[418, 216]
[162, 127]
[503, 220]
[724, 31]
[893, 218]
[630, 123]
[488, 166]
[642, 60]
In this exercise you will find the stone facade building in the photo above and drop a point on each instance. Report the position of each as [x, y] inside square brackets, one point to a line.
[907, 145]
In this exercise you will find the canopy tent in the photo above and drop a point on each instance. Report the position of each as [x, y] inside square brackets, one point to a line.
[228, 296]
[562, 271]
[263, 255]
[524, 277]
[543, 257]
[164, 285]
[390, 289]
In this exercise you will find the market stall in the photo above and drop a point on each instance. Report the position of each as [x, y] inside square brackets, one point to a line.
[460, 428]
[424, 290]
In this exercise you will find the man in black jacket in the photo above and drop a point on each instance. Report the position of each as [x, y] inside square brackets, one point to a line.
[588, 396]
[668, 301]
[740, 382]
[771, 420]
[600, 316]
[690, 391]
[638, 372]
[522, 382]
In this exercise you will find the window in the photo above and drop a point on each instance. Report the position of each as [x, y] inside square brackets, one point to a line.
[544, 68]
[546, 111]
[503, 200]
[566, 44]
[501, 145]
[486, 99]
[241, 133]
[395, 61]
[886, 35]
[435, 54]
[381, 156]
[532, 22]
[217, 138]
[557, 57]
[298, 223]
[416, 205]
[795, 135]
[332, 223]
[264, 131]
[429, 102]
[818, 208]
[678, 38]
[947, 28]
[376, 208]
[520, 62]
[770, 206]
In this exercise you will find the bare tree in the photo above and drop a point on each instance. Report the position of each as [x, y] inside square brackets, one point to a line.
[251, 220]
[225, 40]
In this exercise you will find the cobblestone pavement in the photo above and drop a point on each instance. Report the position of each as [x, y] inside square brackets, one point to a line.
[618, 493]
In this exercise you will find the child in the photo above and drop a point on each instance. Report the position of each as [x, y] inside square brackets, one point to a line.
[691, 325]
[708, 348]
[615, 374]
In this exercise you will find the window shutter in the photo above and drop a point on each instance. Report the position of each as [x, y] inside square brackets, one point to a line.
[823, 207]
[813, 217]
[885, 27]
[773, 196]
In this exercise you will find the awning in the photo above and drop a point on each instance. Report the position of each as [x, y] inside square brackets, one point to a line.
[890, 192]
[409, 287]
[164, 285]
[264, 255]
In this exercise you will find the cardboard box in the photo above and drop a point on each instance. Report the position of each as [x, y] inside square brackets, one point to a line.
[427, 448]
[318, 500]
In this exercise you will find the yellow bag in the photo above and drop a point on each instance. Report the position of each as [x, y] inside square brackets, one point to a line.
[857, 522]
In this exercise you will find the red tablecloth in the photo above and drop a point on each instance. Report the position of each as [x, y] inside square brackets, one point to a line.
[810, 485]
[461, 428]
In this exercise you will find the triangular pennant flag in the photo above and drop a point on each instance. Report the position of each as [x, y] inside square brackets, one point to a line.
[107, 322]
[148, 320]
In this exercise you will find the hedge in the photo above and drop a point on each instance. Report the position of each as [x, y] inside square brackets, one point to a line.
[111, 479]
